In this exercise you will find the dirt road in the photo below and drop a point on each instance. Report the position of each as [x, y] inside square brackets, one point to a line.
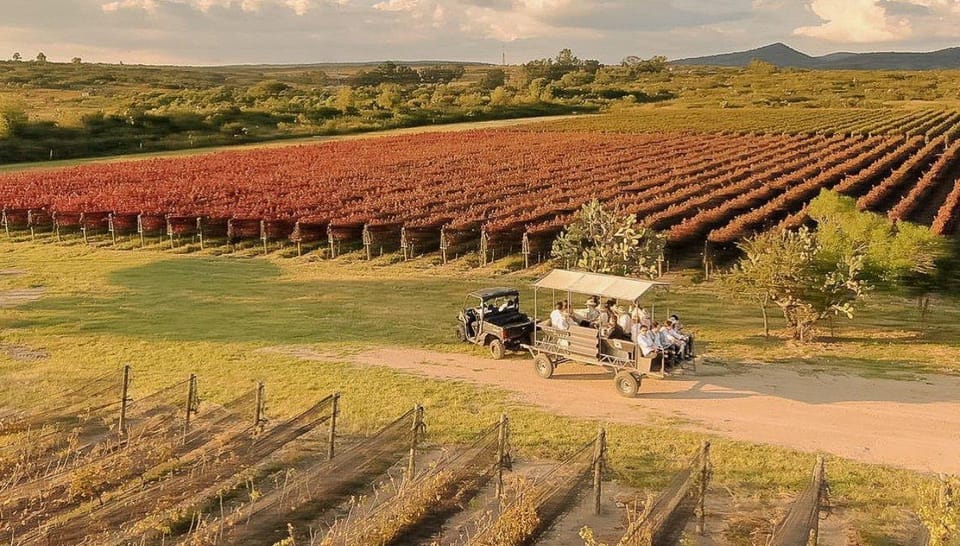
[910, 424]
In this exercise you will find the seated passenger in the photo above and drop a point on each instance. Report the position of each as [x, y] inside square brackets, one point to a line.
[624, 320]
[612, 329]
[678, 326]
[685, 340]
[559, 318]
[592, 314]
[645, 341]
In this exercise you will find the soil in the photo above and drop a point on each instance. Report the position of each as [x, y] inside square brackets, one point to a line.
[13, 298]
[908, 424]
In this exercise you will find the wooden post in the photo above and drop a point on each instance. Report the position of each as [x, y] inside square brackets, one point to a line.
[124, 398]
[501, 454]
[599, 449]
[414, 440]
[818, 479]
[191, 397]
[331, 439]
[525, 249]
[258, 417]
[443, 244]
[200, 231]
[702, 493]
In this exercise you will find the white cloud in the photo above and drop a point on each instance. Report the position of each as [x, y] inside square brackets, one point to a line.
[150, 6]
[856, 21]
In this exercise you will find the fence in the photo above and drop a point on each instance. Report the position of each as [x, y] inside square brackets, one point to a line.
[653, 524]
[801, 525]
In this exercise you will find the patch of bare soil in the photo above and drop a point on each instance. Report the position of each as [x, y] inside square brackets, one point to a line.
[22, 353]
[13, 298]
[909, 424]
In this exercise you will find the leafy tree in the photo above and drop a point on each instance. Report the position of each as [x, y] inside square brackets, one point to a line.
[388, 72]
[17, 57]
[609, 241]
[441, 73]
[493, 79]
[41, 58]
[76, 60]
[757, 66]
[637, 65]
[792, 270]
[390, 96]
[556, 68]
[898, 257]
[499, 97]
[346, 100]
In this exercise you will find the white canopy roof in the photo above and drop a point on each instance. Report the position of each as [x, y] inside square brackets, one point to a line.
[609, 286]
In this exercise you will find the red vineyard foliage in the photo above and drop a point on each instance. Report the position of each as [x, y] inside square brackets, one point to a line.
[500, 183]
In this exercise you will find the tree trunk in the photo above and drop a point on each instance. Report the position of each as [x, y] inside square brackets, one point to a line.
[766, 320]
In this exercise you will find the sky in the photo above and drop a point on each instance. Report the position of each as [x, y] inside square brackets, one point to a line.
[210, 32]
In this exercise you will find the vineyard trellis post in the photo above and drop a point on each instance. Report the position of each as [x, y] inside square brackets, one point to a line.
[704, 482]
[502, 437]
[331, 439]
[600, 449]
[444, 243]
[414, 441]
[124, 399]
[706, 260]
[259, 414]
[200, 231]
[191, 401]
[484, 247]
[525, 249]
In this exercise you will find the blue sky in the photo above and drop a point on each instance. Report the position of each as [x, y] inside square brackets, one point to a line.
[297, 31]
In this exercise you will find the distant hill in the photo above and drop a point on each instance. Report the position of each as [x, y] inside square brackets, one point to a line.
[785, 56]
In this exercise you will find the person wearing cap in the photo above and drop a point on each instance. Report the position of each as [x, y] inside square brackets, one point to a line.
[592, 314]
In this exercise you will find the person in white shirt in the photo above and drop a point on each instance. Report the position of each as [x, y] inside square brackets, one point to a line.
[558, 317]
[624, 320]
[592, 314]
[645, 341]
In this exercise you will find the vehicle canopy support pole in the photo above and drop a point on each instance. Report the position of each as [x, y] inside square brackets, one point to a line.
[414, 441]
[501, 455]
[702, 493]
[598, 454]
[331, 439]
[124, 399]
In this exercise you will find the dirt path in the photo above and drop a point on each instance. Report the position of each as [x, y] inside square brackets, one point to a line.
[910, 424]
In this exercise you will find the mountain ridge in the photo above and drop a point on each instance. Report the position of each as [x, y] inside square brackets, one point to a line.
[785, 56]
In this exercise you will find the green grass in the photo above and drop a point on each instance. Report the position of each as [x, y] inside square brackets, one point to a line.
[169, 315]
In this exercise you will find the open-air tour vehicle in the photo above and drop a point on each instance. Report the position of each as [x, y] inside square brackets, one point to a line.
[551, 347]
[491, 317]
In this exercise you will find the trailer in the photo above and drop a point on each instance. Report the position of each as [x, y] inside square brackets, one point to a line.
[585, 344]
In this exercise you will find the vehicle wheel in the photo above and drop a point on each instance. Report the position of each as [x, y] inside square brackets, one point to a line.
[496, 349]
[543, 365]
[461, 333]
[627, 384]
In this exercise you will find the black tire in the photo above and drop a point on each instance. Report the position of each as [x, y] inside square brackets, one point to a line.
[497, 349]
[627, 384]
[461, 333]
[543, 365]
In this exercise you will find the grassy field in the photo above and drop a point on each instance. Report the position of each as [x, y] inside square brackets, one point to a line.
[169, 315]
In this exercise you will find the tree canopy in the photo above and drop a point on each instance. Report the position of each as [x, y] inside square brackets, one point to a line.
[609, 241]
[797, 273]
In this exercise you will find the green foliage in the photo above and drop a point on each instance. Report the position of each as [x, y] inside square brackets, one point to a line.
[387, 72]
[757, 66]
[939, 511]
[792, 270]
[554, 69]
[895, 256]
[441, 73]
[608, 241]
[493, 79]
